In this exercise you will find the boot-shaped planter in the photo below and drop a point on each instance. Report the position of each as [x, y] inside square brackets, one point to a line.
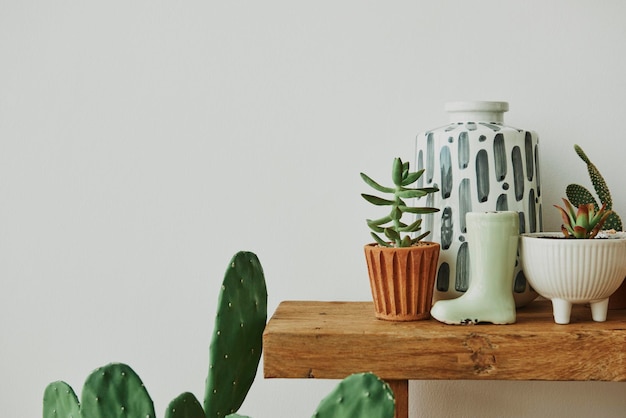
[492, 239]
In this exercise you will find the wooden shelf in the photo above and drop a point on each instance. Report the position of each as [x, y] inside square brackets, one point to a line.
[330, 340]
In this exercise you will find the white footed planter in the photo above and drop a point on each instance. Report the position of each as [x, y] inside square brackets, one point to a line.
[572, 271]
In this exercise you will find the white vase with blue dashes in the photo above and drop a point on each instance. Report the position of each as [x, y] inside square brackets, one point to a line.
[479, 164]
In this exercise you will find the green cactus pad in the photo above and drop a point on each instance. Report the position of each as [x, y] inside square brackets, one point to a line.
[578, 195]
[237, 337]
[115, 391]
[613, 222]
[597, 180]
[361, 395]
[60, 401]
[184, 406]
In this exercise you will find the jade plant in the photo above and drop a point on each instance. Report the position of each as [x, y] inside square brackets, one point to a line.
[115, 390]
[397, 232]
[583, 222]
[579, 195]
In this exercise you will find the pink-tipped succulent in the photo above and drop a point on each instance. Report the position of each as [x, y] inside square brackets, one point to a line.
[584, 222]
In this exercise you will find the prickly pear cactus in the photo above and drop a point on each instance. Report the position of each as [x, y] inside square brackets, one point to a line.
[361, 395]
[579, 195]
[115, 391]
[237, 336]
[112, 391]
[184, 406]
[60, 401]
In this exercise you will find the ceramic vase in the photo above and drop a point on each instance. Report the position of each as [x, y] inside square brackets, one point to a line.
[493, 238]
[480, 165]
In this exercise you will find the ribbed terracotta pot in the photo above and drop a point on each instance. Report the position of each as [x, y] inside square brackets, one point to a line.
[402, 280]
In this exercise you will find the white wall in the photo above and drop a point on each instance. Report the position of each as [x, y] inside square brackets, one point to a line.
[143, 143]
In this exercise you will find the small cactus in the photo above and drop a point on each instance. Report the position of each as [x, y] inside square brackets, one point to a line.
[584, 222]
[60, 401]
[361, 395]
[184, 406]
[579, 195]
[402, 178]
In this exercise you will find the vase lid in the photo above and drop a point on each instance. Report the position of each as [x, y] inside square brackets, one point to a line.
[476, 111]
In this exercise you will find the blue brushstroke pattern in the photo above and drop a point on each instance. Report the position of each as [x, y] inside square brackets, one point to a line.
[461, 282]
[502, 203]
[520, 283]
[463, 150]
[528, 152]
[443, 277]
[499, 157]
[445, 164]
[430, 157]
[465, 203]
[532, 211]
[482, 175]
[518, 173]
[446, 228]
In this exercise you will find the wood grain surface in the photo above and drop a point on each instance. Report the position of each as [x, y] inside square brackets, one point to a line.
[330, 340]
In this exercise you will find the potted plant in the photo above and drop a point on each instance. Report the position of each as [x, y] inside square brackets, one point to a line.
[580, 195]
[580, 264]
[401, 268]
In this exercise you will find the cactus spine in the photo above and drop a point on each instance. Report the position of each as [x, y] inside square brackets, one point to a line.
[579, 195]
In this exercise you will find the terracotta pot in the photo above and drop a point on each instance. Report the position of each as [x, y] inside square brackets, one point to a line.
[402, 280]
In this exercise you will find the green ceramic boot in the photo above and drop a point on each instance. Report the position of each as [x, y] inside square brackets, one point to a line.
[492, 240]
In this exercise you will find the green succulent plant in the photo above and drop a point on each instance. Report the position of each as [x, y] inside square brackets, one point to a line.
[394, 229]
[583, 222]
[579, 195]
